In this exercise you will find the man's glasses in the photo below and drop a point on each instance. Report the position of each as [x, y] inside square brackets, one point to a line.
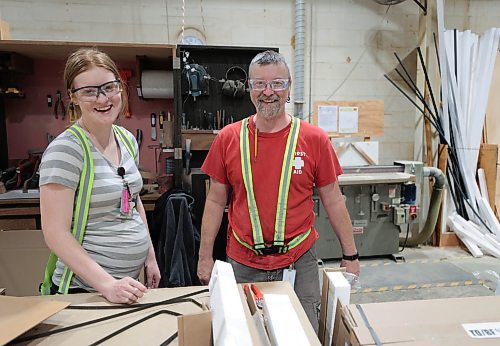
[275, 84]
[90, 93]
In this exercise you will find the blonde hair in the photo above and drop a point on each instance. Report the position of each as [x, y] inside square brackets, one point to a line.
[83, 60]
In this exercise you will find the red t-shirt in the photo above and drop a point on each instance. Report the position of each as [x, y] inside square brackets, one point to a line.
[315, 164]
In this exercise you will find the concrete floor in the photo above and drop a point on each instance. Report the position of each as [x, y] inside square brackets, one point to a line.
[426, 273]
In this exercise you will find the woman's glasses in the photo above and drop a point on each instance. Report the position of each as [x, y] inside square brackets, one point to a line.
[90, 93]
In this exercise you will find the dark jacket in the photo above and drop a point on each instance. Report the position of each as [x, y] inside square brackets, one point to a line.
[176, 239]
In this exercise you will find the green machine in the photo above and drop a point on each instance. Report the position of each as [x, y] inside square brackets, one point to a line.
[384, 205]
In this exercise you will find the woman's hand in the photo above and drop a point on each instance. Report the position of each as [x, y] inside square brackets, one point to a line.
[123, 291]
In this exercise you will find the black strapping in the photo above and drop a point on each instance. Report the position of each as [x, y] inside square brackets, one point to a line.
[133, 324]
[101, 319]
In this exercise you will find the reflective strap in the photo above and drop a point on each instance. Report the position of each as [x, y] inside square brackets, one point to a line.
[244, 244]
[283, 249]
[286, 176]
[82, 202]
[298, 239]
[129, 145]
[247, 179]
[47, 279]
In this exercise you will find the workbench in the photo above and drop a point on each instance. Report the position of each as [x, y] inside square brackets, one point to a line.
[20, 210]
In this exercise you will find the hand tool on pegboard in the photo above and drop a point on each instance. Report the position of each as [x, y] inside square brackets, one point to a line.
[153, 126]
[138, 137]
[160, 122]
[59, 104]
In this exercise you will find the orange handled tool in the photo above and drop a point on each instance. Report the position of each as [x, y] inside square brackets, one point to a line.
[259, 298]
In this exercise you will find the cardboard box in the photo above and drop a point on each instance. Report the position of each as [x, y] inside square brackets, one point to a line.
[325, 303]
[194, 327]
[23, 257]
[284, 287]
[422, 322]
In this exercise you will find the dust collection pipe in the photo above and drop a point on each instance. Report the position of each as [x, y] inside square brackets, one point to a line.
[435, 203]
[298, 82]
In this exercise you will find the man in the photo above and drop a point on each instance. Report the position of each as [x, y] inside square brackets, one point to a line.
[272, 161]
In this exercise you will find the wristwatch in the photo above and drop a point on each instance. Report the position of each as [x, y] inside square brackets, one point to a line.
[350, 258]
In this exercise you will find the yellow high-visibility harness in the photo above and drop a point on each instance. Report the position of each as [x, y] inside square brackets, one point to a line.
[278, 245]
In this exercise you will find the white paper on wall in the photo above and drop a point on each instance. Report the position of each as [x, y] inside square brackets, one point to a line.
[348, 119]
[327, 118]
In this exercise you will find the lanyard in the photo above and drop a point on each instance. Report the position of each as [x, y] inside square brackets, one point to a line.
[127, 203]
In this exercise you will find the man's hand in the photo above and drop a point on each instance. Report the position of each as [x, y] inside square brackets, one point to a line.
[126, 290]
[153, 275]
[351, 266]
[205, 266]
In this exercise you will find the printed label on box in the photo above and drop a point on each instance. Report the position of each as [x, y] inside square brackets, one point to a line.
[483, 330]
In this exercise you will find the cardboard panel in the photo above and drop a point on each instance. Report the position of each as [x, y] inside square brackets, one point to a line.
[195, 329]
[153, 331]
[20, 314]
[23, 256]
[420, 322]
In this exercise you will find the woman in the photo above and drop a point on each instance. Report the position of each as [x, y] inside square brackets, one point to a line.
[116, 242]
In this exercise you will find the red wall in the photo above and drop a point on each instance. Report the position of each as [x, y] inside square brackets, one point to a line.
[30, 119]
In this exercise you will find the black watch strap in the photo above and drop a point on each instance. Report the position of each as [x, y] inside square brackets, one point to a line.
[350, 258]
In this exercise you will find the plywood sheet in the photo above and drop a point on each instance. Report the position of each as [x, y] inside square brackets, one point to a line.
[492, 115]
[371, 117]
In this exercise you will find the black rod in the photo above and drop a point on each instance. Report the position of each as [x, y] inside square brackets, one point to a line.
[427, 81]
[415, 88]
[437, 53]
[424, 8]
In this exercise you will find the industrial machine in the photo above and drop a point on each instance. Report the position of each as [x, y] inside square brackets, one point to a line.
[383, 203]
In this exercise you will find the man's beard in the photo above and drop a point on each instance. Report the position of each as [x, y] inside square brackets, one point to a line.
[269, 110]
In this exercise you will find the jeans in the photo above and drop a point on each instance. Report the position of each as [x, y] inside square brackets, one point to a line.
[306, 281]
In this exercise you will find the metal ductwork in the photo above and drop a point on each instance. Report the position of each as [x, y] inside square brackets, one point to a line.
[434, 205]
[298, 82]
